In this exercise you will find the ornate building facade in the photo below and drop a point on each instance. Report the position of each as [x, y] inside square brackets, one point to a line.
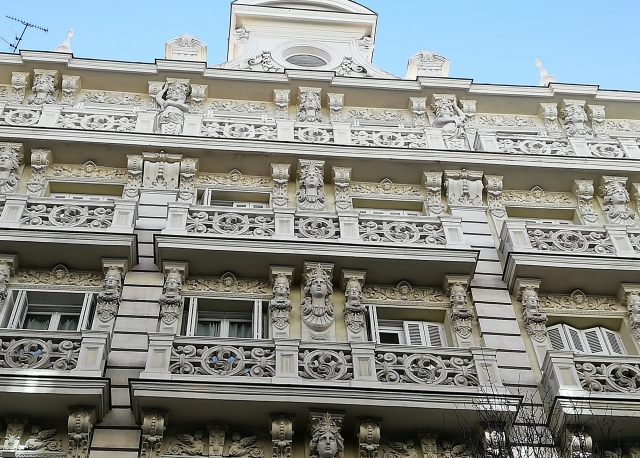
[297, 254]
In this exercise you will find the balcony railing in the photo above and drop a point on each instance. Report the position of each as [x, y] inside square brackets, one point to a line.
[286, 224]
[68, 214]
[53, 352]
[221, 359]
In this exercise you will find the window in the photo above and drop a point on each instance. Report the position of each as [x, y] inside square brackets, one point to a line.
[424, 333]
[596, 341]
[218, 199]
[98, 197]
[390, 212]
[224, 318]
[50, 310]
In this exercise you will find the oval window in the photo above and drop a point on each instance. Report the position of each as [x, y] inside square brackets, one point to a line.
[306, 60]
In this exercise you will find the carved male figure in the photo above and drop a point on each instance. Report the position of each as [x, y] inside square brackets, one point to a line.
[172, 102]
[317, 307]
[449, 117]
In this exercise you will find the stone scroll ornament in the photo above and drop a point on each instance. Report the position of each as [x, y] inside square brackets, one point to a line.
[172, 101]
[11, 158]
[535, 322]
[110, 296]
[354, 311]
[310, 195]
[280, 305]
[317, 308]
[326, 440]
[461, 316]
[171, 298]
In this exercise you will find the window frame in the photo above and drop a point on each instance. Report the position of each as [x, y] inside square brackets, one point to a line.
[255, 317]
[585, 341]
[403, 328]
[206, 200]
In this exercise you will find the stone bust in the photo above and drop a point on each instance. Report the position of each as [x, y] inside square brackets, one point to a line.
[317, 307]
[615, 199]
[44, 86]
[326, 440]
[311, 193]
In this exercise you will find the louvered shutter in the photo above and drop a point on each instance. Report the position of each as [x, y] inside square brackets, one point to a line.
[256, 319]
[557, 338]
[613, 342]
[413, 332]
[19, 311]
[86, 312]
[575, 339]
[595, 343]
[374, 335]
[434, 334]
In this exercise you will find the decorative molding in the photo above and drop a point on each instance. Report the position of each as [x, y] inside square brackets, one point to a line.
[80, 429]
[367, 114]
[464, 187]
[87, 172]
[493, 186]
[404, 294]
[152, 433]
[310, 193]
[11, 161]
[280, 177]
[615, 198]
[280, 304]
[535, 145]
[342, 188]
[71, 85]
[282, 428]
[516, 121]
[226, 285]
[309, 104]
[40, 160]
[432, 181]
[282, 99]
[336, 106]
[537, 197]
[59, 276]
[583, 191]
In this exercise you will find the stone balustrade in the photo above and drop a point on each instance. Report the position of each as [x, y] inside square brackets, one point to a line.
[522, 236]
[183, 358]
[287, 224]
[114, 215]
[58, 353]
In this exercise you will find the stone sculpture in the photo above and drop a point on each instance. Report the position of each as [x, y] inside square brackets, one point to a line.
[43, 87]
[172, 102]
[326, 440]
[317, 307]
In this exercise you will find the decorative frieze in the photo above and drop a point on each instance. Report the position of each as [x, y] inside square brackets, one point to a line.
[282, 99]
[336, 105]
[280, 177]
[60, 277]
[450, 118]
[43, 89]
[493, 186]
[583, 191]
[367, 114]
[400, 449]
[512, 121]
[354, 310]
[114, 98]
[385, 188]
[187, 445]
[236, 106]
[326, 439]
[464, 187]
[40, 161]
[87, 172]
[281, 435]
[537, 197]
[226, 285]
[309, 105]
[234, 180]
[245, 446]
[11, 161]
[43, 441]
[433, 184]
[97, 122]
[578, 301]
[237, 130]
[71, 85]
[80, 430]
[280, 304]
[318, 312]
[615, 199]
[575, 119]
[152, 434]
[405, 294]
[537, 146]
[172, 102]
[570, 240]
[310, 193]
[22, 117]
[341, 184]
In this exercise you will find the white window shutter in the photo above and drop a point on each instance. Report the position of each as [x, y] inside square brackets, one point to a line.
[413, 332]
[614, 344]
[192, 317]
[557, 338]
[575, 339]
[373, 323]
[85, 313]
[19, 311]
[256, 321]
[594, 340]
[434, 334]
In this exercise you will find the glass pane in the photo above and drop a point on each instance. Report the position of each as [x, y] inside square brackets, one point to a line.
[240, 329]
[39, 322]
[389, 338]
[208, 328]
[69, 323]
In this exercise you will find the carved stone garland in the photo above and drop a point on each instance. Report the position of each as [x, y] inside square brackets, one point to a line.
[152, 432]
[281, 436]
[309, 105]
[323, 427]
[461, 316]
[310, 194]
[280, 305]
[80, 427]
[171, 301]
[110, 297]
[535, 322]
[615, 198]
[354, 311]
[11, 158]
[318, 314]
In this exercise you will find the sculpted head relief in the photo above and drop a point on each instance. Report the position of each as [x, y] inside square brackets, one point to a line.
[10, 159]
[615, 198]
[326, 440]
[44, 86]
[311, 195]
[317, 307]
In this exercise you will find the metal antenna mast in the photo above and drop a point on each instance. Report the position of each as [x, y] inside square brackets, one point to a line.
[18, 39]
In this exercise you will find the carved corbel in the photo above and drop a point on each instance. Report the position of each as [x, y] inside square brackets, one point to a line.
[464, 187]
[153, 429]
[615, 199]
[432, 181]
[11, 166]
[217, 434]
[597, 115]
[171, 299]
[636, 195]
[336, 104]
[355, 313]
[282, 99]
[40, 160]
[309, 104]
[187, 186]
[461, 314]
[15, 431]
[70, 87]
[321, 423]
[161, 170]
[310, 190]
[199, 93]
[583, 191]
[108, 301]
[281, 435]
[429, 444]
[341, 182]
[154, 89]
[317, 309]
[135, 167]
[280, 305]
[368, 432]
[629, 296]
[43, 88]
[469, 109]
[494, 441]
[80, 428]
[418, 108]
[548, 112]
[19, 83]
[280, 193]
[493, 186]
[578, 442]
[535, 322]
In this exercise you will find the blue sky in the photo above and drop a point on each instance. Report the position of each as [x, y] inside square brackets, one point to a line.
[489, 41]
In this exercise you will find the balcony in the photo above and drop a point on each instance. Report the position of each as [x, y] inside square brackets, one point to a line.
[595, 390]
[39, 230]
[194, 376]
[44, 372]
[591, 258]
[248, 241]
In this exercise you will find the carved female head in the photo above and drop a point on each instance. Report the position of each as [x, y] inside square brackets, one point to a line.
[43, 84]
[112, 280]
[616, 194]
[353, 290]
[530, 299]
[311, 178]
[326, 442]
[9, 163]
[318, 284]
[173, 283]
[458, 296]
[281, 286]
[633, 303]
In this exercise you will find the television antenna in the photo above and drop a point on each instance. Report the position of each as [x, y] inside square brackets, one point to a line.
[16, 42]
